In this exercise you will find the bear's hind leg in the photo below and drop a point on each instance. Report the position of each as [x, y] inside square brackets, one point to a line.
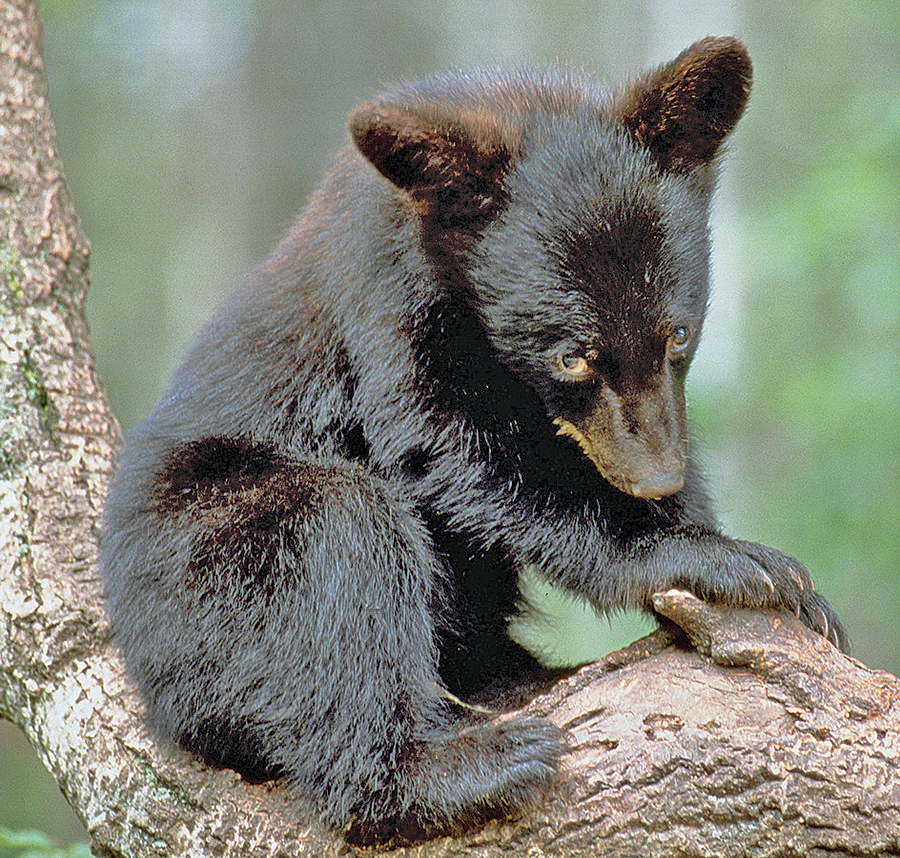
[317, 598]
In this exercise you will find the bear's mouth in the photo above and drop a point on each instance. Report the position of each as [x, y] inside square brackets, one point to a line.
[650, 484]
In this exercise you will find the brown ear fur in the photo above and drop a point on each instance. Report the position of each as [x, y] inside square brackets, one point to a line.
[684, 110]
[451, 164]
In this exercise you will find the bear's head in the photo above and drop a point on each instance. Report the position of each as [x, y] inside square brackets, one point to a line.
[582, 216]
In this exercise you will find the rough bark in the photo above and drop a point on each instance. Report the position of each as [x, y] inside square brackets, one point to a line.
[758, 739]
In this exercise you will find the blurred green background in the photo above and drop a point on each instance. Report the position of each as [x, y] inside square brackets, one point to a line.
[192, 133]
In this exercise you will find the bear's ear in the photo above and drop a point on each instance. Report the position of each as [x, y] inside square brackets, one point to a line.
[684, 110]
[453, 164]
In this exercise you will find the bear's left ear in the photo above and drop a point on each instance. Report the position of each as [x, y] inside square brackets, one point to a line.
[684, 110]
[451, 164]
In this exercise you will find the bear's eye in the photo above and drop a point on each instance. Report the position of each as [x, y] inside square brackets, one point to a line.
[575, 365]
[680, 338]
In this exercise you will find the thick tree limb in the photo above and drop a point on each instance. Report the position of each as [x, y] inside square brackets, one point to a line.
[761, 740]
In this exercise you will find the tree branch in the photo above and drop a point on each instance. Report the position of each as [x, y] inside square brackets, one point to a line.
[762, 740]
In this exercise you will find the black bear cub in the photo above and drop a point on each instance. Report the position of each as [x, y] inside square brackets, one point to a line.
[469, 354]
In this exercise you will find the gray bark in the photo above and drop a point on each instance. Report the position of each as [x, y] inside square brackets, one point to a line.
[757, 739]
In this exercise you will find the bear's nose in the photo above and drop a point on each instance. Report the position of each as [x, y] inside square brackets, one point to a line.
[658, 486]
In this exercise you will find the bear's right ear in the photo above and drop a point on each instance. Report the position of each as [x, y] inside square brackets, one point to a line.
[451, 164]
[684, 110]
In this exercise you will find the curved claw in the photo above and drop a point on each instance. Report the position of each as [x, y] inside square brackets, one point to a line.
[768, 581]
[796, 577]
[763, 575]
[826, 626]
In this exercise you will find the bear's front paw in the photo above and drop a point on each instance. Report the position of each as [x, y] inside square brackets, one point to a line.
[751, 575]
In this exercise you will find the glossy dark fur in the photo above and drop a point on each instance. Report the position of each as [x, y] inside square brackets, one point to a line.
[316, 534]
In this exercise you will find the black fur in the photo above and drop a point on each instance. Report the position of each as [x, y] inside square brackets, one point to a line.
[469, 354]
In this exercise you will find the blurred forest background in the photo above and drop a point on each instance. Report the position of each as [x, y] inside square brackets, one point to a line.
[192, 132]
